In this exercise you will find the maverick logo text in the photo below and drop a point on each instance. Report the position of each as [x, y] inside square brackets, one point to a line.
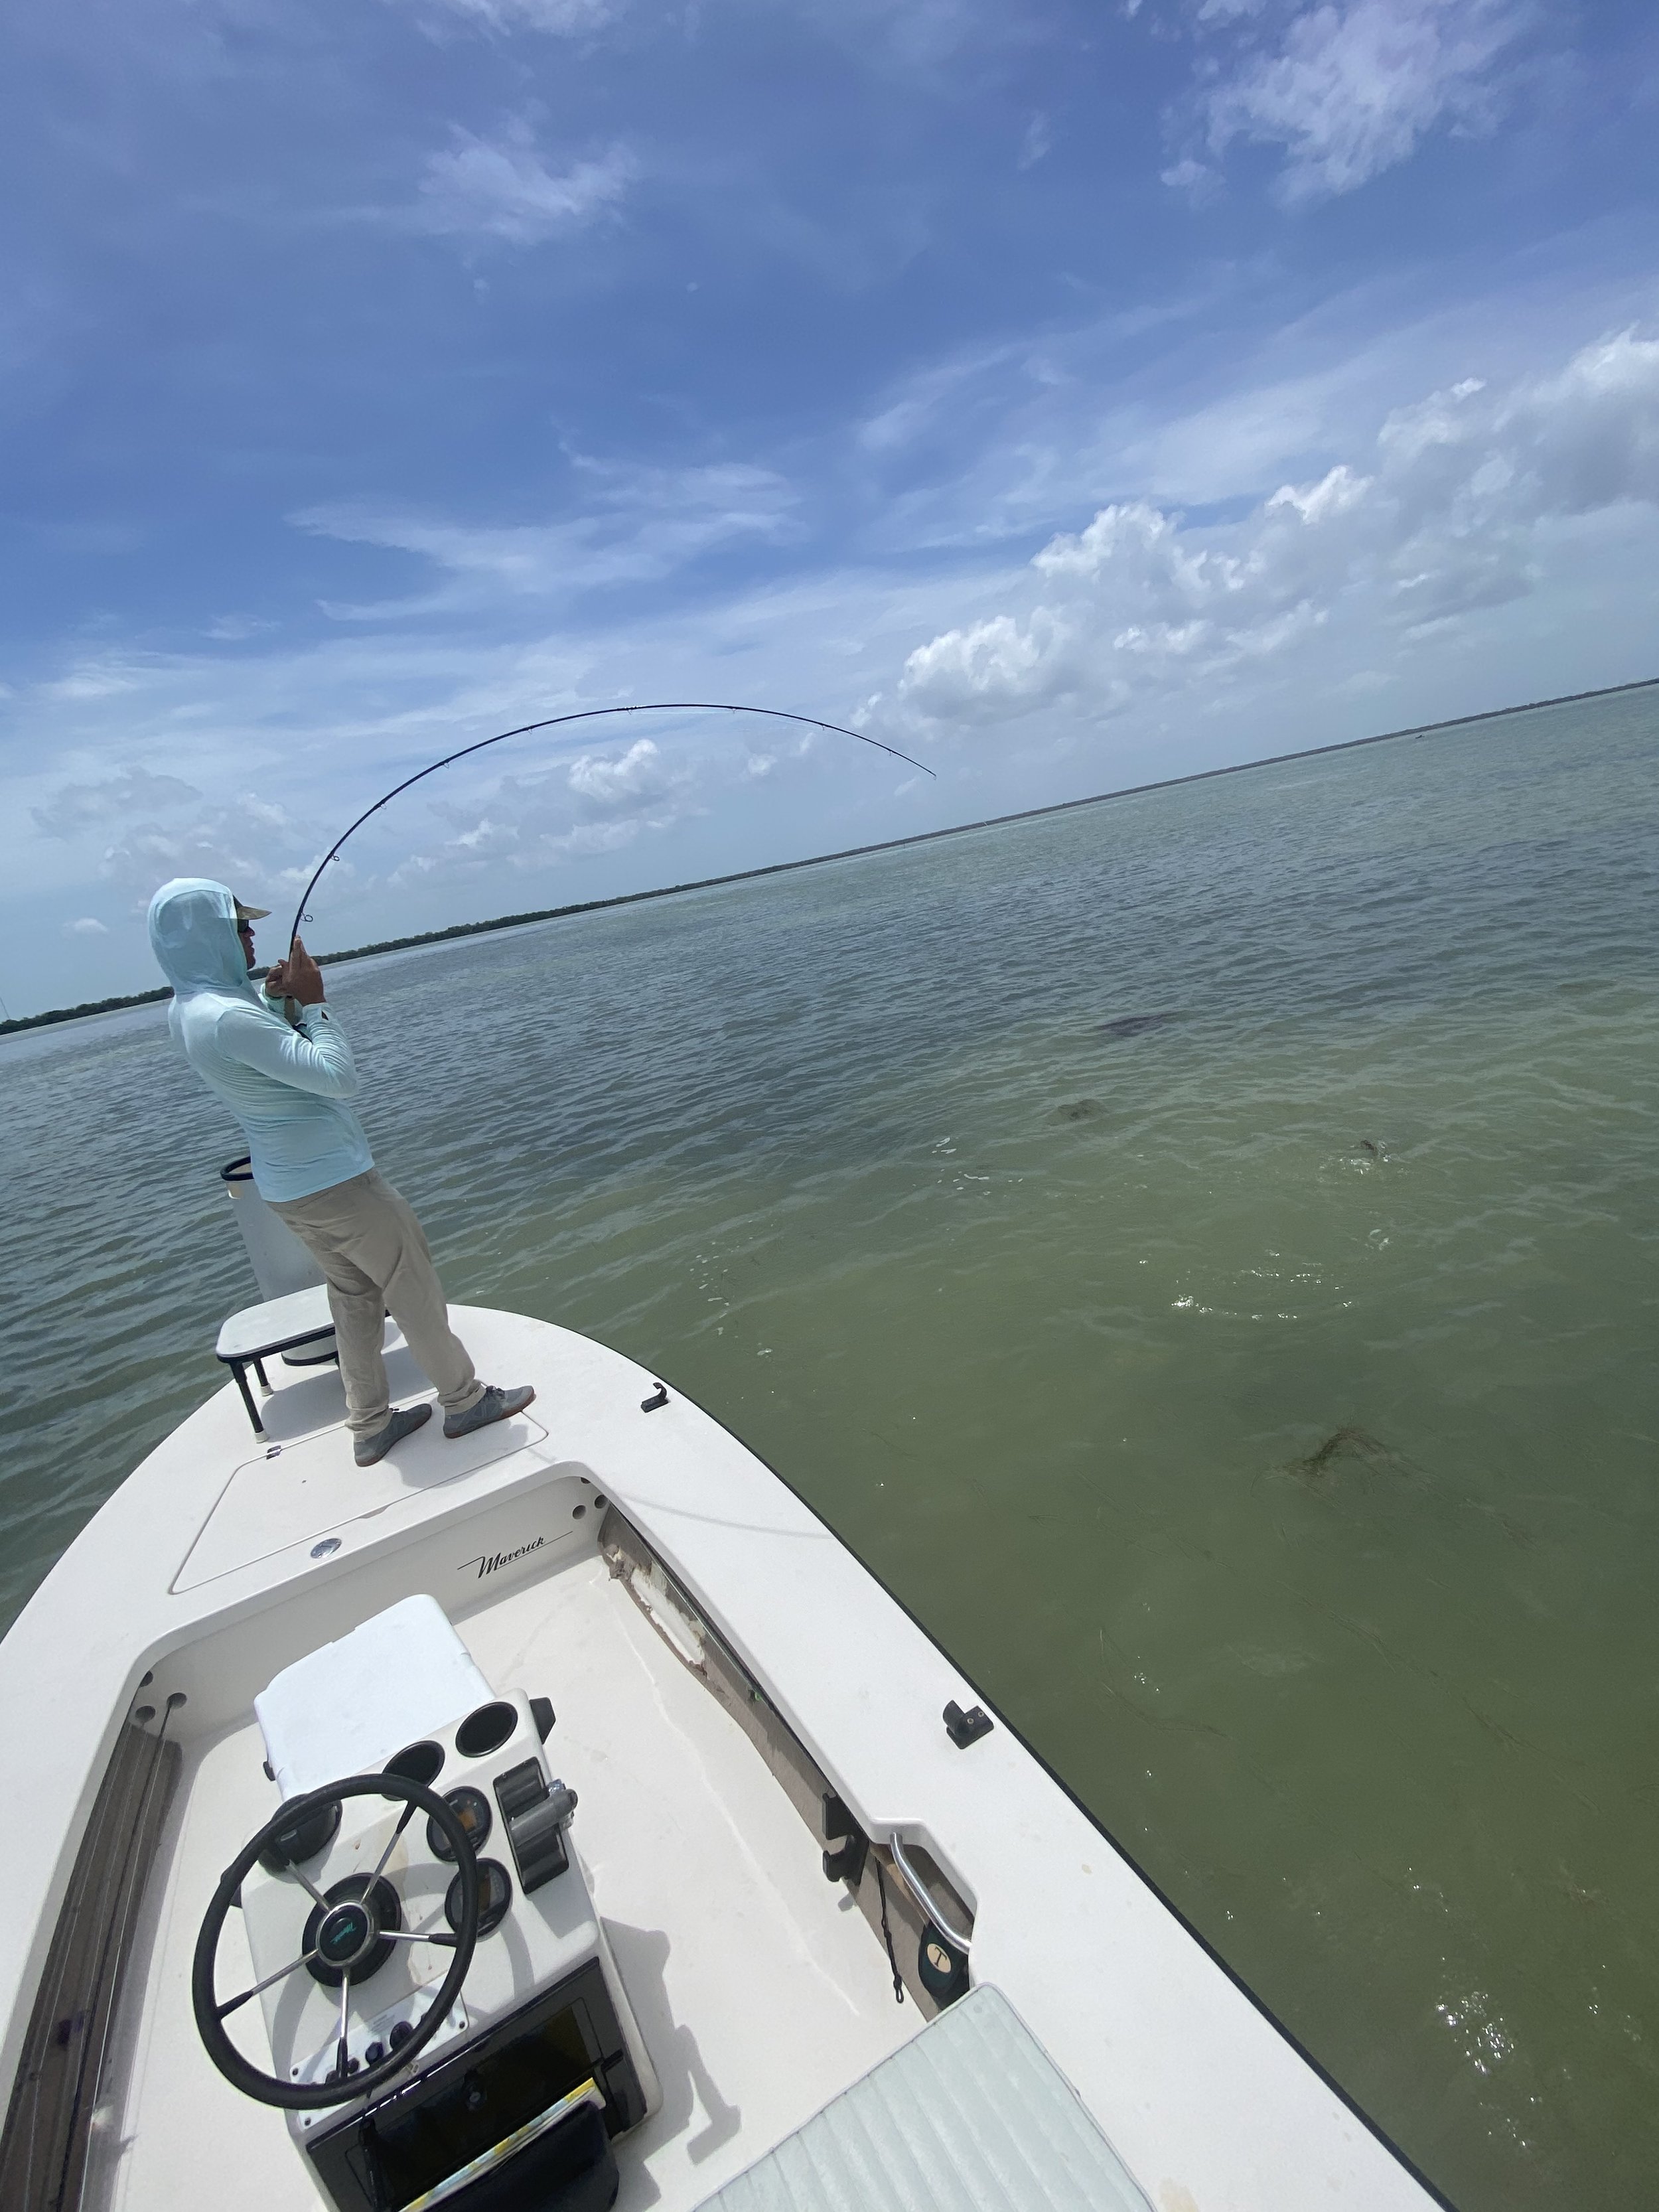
[489, 1562]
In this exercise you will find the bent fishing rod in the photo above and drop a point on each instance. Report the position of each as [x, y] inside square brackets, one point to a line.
[585, 715]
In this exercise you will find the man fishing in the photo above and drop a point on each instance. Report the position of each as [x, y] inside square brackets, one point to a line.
[286, 1083]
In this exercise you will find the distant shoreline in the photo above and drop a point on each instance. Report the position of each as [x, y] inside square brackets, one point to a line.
[851, 853]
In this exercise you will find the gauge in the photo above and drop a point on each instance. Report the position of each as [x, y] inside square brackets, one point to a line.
[471, 1809]
[495, 1895]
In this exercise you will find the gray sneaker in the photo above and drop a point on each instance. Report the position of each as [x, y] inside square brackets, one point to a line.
[494, 1405]
[368, 1450]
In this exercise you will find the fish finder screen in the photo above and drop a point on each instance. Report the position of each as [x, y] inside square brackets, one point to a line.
[439, 2133]
[466, 2103]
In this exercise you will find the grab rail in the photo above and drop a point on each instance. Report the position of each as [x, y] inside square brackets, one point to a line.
[920, 1897]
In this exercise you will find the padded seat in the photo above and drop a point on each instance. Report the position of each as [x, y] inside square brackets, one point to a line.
[972, 2115]
[347, 1708]
[251, 1336]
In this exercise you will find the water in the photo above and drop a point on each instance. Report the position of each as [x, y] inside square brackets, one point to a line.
[1055, 1316]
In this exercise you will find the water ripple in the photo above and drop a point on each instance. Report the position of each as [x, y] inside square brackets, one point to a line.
[1274, 1440]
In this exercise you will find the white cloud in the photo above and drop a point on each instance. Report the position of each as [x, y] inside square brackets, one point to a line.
[640, 523]
[1038, 141]
[923, 399]
[967, 673]
[560, 18]
[1374, 563]
[607, 780]
[908, 34]
[502, 188]
[73, 808]
[98, 680]
[1187, 175]
[322, 726]
[1446, 515]
[234, 629]
[254, 845]
[999, 443]
[87, 926]
[597, 803]
[1350, 88]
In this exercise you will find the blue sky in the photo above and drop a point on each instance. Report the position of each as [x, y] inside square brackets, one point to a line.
[1069, 394]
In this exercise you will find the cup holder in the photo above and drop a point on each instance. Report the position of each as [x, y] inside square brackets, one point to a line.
[486, 1729]
[417, 1762]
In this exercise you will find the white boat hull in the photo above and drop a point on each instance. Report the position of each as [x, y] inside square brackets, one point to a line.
[719, 1643]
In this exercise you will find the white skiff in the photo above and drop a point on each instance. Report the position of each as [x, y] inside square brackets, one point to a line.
[702, 1759]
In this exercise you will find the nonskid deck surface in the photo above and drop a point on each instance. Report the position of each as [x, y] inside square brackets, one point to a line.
[757, 1985]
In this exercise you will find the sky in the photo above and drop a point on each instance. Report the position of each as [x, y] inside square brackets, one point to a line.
[1069, 395]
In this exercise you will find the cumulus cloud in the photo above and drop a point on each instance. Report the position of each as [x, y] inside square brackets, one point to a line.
[74, 808]
[502, 188]
[253, 844]
[1425, 549]
[87, 926]
[1349, 87]
[606, 782]
[1442, 518]
[598, 802]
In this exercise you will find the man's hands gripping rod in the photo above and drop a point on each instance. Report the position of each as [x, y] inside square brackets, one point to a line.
[298, 977]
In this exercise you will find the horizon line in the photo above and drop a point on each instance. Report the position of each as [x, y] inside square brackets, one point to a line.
[90, 1008]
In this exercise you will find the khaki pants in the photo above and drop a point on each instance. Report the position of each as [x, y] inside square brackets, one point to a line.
[373, 1255]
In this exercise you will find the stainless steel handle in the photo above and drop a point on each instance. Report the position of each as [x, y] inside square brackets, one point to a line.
[923, 1903]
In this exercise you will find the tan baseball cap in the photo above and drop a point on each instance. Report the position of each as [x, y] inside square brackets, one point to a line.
[251, 913]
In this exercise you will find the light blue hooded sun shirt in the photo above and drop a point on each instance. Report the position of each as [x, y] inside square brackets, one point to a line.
[287, 1087]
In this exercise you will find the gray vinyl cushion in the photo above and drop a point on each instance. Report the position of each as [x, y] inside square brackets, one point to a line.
[970, 2116]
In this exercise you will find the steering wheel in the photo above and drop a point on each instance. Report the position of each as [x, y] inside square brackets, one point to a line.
[342, 1933]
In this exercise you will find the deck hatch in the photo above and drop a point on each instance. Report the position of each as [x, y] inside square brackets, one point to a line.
[312, 1489]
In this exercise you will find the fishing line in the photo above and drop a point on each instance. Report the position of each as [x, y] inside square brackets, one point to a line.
[587, 714]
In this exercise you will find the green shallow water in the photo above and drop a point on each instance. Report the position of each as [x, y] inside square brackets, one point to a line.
[1258, 1402]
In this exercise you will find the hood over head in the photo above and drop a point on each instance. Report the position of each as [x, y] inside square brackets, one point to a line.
[192, 933]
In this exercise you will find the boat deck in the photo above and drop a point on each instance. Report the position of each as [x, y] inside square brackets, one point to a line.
[769, 1996]
[760, 1988]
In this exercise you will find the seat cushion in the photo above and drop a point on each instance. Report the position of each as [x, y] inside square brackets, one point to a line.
[972, 2115]
[345, 1708]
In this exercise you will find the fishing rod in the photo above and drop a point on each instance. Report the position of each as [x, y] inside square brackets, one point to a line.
[586, 714]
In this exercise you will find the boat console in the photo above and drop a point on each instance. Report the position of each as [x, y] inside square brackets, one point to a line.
[443, 2020]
